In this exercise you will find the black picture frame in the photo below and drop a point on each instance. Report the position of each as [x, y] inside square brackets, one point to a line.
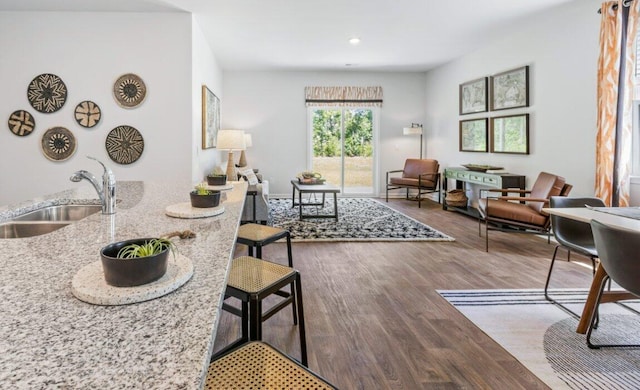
[474, 96]
[510, 134]
[473, 136]
[510, 89]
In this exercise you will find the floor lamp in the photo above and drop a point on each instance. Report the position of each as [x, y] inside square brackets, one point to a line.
[230, 140]
[415, 128]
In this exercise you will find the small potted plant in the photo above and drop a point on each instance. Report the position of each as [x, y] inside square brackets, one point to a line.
[217, 177]
[202, 197]
[135, 262]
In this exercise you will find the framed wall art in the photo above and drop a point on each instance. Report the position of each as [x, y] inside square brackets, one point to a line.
[210, 118]
[474, 135]
[510, 89]
[510, 134]
[474, 96]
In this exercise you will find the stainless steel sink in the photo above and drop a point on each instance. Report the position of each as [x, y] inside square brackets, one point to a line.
[70, 212]
[29, 229]
[46, 220]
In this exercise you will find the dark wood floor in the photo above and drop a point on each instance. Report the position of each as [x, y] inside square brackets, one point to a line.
[374, 318]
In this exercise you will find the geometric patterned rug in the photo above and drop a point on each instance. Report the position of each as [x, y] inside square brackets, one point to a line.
[359, 219]
[542, 336]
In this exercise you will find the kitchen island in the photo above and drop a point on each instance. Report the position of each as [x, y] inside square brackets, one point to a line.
[51, 339]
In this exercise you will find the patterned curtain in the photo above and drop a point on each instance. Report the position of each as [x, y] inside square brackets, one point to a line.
[615, 93]
[343, 96]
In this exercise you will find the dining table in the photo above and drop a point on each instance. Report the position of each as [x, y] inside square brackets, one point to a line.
[620, 217]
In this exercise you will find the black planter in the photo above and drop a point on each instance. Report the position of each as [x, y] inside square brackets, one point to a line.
[217, 180]
[205, 201]
[132, 272]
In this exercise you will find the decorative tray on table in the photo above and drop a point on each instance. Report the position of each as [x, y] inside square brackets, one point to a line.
[481, 168]
[311, 180]
[308, 177]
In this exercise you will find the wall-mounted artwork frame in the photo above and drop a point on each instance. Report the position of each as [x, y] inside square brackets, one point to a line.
[510, 134]
[510, 89]
[474, 135]
[210, 118]
[474, 96]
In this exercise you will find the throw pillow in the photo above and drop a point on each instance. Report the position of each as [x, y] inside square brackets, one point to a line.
[250, 175]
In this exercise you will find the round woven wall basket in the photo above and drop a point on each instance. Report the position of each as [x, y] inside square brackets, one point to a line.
[456, 198]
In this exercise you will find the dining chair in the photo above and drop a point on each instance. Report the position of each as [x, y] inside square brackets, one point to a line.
[572, 236]
[618, 251]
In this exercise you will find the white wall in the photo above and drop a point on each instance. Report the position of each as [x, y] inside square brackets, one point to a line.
[561, 49]
[270, 106]
[206, 71]
[89, 51]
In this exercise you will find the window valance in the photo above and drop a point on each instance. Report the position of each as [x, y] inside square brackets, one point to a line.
[343, 96]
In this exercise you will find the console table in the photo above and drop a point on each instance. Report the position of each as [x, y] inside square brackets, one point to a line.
[495, 180]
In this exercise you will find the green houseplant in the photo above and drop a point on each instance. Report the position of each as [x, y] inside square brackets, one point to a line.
[135, 262]
[202, 197]
[217, 177]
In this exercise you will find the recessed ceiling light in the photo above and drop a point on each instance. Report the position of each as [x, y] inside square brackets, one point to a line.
[354, 40]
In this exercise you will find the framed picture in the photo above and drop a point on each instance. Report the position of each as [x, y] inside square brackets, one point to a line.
[473, 135]
[510, 89]
[210, 118]
[473, 96]
[510, 134]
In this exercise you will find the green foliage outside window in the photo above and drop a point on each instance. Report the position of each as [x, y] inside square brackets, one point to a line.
[358, 133]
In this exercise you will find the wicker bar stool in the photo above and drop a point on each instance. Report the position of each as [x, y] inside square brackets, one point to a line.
[251, 280]
[256, 235]
[257, 365]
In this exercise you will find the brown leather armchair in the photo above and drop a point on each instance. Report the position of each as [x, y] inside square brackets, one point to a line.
[522, 213]
[419, 174]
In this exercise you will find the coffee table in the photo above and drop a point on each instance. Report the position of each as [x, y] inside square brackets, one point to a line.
[314, 189]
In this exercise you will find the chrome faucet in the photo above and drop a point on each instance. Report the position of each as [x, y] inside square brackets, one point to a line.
[106, 191]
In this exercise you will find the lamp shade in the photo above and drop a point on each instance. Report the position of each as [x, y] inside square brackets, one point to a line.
[247, 140]
[412, 130]
[231, 140]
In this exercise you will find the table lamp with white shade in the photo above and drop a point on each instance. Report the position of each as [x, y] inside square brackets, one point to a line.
[247, 144]
[230, 140]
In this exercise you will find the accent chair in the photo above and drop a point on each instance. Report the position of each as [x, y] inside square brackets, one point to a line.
[420, 174]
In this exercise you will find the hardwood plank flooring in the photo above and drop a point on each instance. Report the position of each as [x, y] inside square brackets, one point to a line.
[374, 318]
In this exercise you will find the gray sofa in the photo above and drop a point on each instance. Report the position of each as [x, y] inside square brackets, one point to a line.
[262, 214]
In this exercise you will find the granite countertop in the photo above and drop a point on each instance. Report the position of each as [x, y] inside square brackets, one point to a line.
[50, 339]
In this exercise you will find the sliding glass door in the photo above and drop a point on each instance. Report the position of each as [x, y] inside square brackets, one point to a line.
[343, 147]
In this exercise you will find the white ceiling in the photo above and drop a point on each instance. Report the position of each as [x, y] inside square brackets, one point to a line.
[396, 35]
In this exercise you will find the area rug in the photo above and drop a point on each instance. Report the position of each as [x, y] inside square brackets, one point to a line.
[542, 336]
[359, 219]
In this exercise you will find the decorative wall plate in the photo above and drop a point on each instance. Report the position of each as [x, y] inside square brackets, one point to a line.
[87, 114]
[124, 144]
[129, 90]
[47, 93]
[21, 123]
[58, 144]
